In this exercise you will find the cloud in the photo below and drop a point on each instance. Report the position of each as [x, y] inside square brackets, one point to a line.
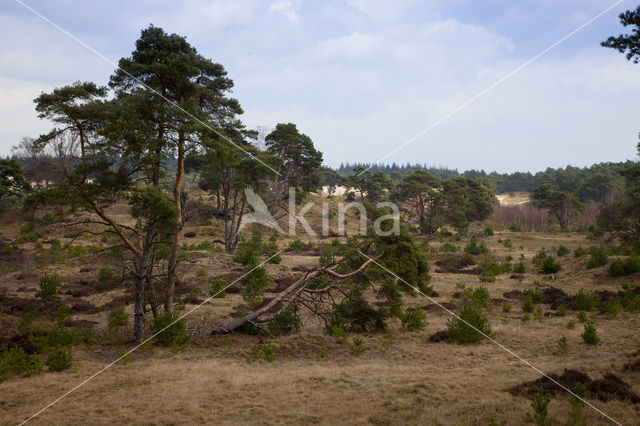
[224, 12]
[288, 8]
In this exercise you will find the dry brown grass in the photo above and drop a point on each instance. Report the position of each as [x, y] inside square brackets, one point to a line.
[414, 381]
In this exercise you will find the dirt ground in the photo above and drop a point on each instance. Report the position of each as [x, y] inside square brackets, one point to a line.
[314, 379]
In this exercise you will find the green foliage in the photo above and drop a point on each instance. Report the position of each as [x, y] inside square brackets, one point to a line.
[448, 248]
[488, 231]
[357, 347]
[48, 286]
[357, 315]
[590, 334]
[414, 319]
[216, 289]
[582, 316]
[59, 359]
[538, 314]
[470, 326]
[254, 283]
[477, 296]
[580, 252]
[563, 344]
[528, 304]
[518, 267]
[476, 248]
[598, 257]
[267, 352]
[562, 250]
[201, 272]
[296, 246]
[105, 274]
[7, 250]
[629, 297]
[284, 322]
[170, 332]
[272, 248]
[539, 257]
[585, 301]
[326, 254]
[575, 413]
[540, 415]
[549, 265]
[16, 361]
[117, 318]
[628, 266]
[571, 324]
[506, 307]
[63, 314]
[490, 268]
[561, 311]
[387, 340]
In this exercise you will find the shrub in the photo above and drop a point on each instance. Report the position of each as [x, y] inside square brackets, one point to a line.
[575, 413]
[201, 272]
[413, 319]
[540, 416]
[562, 251]
[580, 252]
[357, 348]
[561, 311]
[582, 316]
[563, 344]
[538, 314]
[629, 298]
[536, 295]
[506, 307]
[518, 267]
[16, 361]
[528, 304]
[571, 324]
[470, 326]
[63, 314]
[48, 286]
[619, 267]
[284, 322]
[7, 250]
[526, 317]
[326, 254]
[105, 274]
[585, 301]
[217, 289]
[590, 334]
[255, 281]
[117, 318]
[59, 359]
[169, 332]
[448, 248]
[474, 248]
[478, 296]
[611, 307]
[598, 257]
[488, 231]
[296, 246]
[549, 265]
[539, 257]
[272, 251]
[266, 352]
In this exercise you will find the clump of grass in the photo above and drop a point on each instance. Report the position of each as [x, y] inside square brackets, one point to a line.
[267, 352]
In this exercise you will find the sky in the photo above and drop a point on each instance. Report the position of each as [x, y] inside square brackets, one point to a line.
[363, 77]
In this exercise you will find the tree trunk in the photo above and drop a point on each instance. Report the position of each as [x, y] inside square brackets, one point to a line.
[141, 278]
[175, 245]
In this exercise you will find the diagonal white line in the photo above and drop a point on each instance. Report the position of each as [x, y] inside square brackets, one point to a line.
[489, 88]
[501, 346]
[172, 103]
[145, 341]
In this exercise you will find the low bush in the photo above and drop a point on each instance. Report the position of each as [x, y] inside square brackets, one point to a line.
[580, 252]
[16, 361]
[105, 274]
[619, 267]
[598, 257]
[585, 301]
[216, 290]
[549, 265]
[357, 347]
[59, 359]
[117, 318]
[470, 326]
[590, 334]
[413, 319]
[48, 286]
[267, 352]
[474, 247]
[169, 332]
[518, 267]
[284, 322]
[448, 248]
[562, 250]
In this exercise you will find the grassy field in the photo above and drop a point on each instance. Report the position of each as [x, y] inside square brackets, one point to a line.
[401, 377]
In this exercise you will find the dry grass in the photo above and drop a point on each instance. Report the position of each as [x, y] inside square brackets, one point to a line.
[413, 381]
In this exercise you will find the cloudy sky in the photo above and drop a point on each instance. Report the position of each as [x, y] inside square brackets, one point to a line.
[361, 77]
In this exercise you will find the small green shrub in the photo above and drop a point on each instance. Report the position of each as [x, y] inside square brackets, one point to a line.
[273, 251]
[582, 316]
[201, 272]
[549, 265]
[629, 297]
[571, 324]
[296, 246]
[590, 334]
[448, 248]
[585, 301]
[117, 318]
[561, 311]
[474, 247]
[528, 305]
[284, 322]
[562, 250]
[563, 344]
[580, 252]
[254, 283]
[59, 359]
[539, 257]
[169, 332]
[470, 326]
[477, 296]
[538, 313]
[357, 347]
[519, 268]
[598, 257]
[48, 286]
[526, 317]
[619, 267]
[105, 274]
[488, 231]
[267, 352]
[7, 250]
[506, 307]
[413, 319]
[16, 361]
[216, 290]
[540, 404]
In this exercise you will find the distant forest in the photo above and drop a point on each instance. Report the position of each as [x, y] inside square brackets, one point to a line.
[598, 182]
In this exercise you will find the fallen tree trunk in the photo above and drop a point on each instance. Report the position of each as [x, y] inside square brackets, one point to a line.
[230, 326]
